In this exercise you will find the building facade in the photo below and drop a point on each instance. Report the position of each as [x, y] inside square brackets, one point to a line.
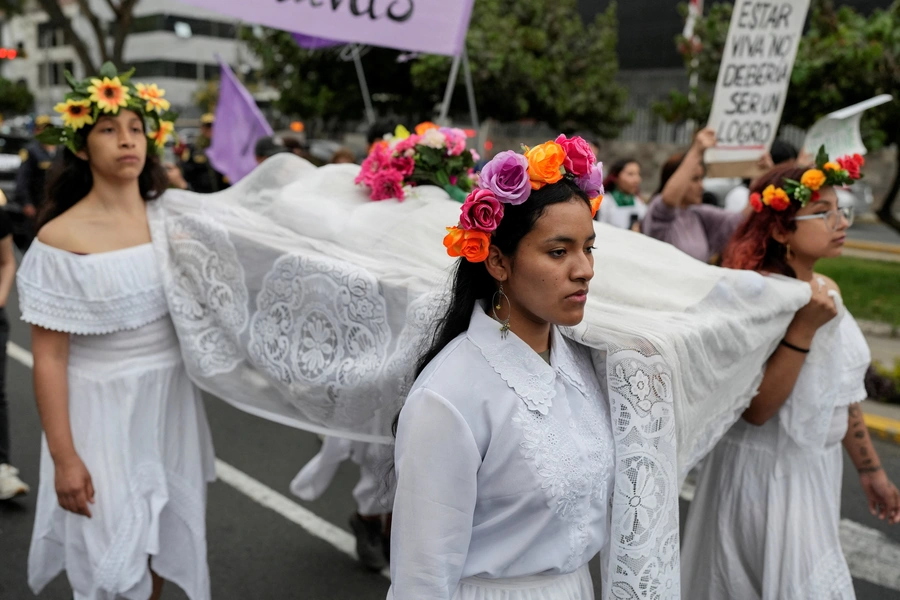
[172, 43]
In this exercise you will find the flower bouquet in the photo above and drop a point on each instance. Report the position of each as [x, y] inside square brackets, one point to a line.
[431, 156]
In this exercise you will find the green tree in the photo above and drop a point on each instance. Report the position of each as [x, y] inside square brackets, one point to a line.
[324, 83]
[530, 59]
[844, 58]
[539, 60]
[15, 98]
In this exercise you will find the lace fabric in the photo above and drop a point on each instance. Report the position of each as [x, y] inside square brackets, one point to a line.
[92, 294]
[341, 293]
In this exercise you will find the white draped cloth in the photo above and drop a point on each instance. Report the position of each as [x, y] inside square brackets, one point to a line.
[299, 300]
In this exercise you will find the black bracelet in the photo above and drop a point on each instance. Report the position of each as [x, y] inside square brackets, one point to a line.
[793, 347]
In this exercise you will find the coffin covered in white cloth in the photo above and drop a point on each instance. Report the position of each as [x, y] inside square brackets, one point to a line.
[299, 300]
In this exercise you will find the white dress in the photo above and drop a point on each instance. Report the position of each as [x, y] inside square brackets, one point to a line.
[137, 422]
[505, 468]
[764, 521]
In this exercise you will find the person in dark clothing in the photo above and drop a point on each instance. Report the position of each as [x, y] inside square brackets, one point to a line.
[198, 172]
[10, 484]
[36, 160]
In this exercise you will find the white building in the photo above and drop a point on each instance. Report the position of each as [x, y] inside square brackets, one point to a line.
[172, 43]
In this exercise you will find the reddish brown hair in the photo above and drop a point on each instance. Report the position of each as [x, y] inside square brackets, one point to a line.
[752, 247]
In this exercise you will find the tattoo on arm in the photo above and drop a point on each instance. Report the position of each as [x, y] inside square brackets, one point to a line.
[874, 469]
[859, 435]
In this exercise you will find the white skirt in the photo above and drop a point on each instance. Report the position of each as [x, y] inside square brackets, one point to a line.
[139, 426]
[570, 586]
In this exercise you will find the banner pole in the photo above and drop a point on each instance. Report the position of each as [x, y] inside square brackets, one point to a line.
[448, 94]
[470, 89]
[361, 74]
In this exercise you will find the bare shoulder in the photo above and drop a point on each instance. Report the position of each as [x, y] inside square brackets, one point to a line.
[829, 282]
[60, 233]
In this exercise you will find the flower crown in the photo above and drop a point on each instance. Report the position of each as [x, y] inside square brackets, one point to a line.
[844, 171]
[509, 178]
[106, 95]
[432, 155]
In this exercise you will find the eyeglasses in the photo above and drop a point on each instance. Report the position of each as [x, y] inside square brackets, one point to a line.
[832, 218]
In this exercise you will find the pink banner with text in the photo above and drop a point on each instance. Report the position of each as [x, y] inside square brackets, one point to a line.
[430, 26]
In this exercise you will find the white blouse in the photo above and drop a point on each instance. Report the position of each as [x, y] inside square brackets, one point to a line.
[504, 464]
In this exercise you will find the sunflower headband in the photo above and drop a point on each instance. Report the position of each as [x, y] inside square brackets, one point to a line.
[107, 94]
[509, 178]
[844, 171]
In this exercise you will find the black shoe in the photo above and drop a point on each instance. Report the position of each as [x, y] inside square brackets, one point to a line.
[369, 547]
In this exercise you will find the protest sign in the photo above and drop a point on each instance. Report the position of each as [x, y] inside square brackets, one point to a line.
[753, 81]
[432, 26]
[839, 132]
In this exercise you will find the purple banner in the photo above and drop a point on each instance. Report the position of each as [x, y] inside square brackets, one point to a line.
[430, 26]
[314, 43]
[239, 123]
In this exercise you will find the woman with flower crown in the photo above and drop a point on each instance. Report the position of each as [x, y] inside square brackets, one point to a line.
[484, 507]
[764, 520]
[126, 451]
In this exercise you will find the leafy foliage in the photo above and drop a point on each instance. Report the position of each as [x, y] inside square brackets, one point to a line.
[15, 98]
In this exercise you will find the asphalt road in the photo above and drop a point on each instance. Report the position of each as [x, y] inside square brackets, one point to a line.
[259, 552]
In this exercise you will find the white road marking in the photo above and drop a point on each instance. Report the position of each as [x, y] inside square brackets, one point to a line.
[870, 554]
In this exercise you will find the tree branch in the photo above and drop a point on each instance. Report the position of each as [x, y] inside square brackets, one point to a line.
[114, 8]
[124, 19]
[97, 26]
[59, 19]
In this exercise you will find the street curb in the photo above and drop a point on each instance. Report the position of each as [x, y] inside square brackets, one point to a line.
[878, 329]
[872, 246]
[883, 427]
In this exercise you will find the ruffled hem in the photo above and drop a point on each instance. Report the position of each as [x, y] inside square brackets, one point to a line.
[165, 520]
[64, 325]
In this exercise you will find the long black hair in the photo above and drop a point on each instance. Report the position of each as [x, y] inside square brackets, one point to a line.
[472, 282]
[70, 180]
[612, 177]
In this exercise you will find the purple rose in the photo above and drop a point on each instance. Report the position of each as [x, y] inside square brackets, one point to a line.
[592, 183]
[481, 211]
[507, 176]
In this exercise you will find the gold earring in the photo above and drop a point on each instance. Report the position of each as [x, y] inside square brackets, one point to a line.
[497, 301]
[787, 253]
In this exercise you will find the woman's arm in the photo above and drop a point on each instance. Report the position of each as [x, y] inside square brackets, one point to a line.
[784, 365]
[74, 489]
[437, 462]
[675, 189]
[7, 268]
[884, 499]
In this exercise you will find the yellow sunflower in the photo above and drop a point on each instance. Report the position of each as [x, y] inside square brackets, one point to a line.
[166, 128]
[109, 94]
[153, 96]
[75, 113]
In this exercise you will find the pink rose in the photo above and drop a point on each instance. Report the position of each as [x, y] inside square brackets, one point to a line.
[404, 164]
[387, 184]
[579, 156]
[407, 147]
[378, 158]
[456, 140]
[481, 212]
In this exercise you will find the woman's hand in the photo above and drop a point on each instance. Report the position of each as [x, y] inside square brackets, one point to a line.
[820, 310]
[74, 489]
[705, 139]
[883, 496]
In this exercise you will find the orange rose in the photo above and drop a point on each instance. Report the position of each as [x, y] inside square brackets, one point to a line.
[545, 164]
[813, 179]
[831, 166]
[472, 245]
[776, 198]
[421, 128]
[595, 205]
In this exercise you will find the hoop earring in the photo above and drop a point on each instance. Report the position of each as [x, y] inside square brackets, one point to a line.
[787, 252]
[497, 304]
